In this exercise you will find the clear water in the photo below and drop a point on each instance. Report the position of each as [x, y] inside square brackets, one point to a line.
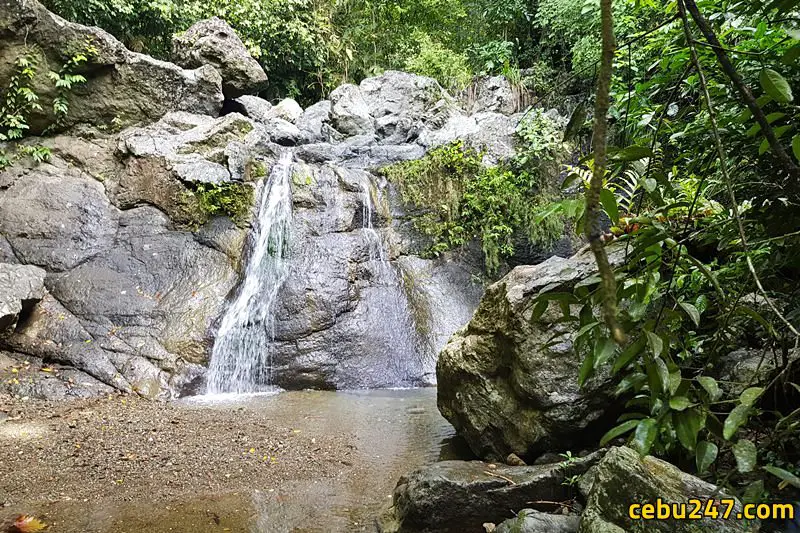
[241, 358]
[392, 432]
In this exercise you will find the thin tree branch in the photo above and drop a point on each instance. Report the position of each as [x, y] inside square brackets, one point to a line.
[723, 164]
[744, 91]
[594, 230]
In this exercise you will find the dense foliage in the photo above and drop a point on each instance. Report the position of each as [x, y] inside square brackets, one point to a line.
[456, 198]
[705, 211]
[308, 47]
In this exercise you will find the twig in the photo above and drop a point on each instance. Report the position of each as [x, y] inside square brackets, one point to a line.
[500, 476]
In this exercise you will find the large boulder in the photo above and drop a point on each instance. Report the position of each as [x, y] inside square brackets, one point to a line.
[401, 103]
[460, 496]
[122, 87]
[161, 163]
[349, 112]
[213, 42]
[509, 384]
[21, 287]
[340, 322]
[622, 477]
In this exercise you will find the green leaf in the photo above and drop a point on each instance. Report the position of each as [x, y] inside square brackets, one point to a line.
[655, 342]
[687, 425]
[675, 380]
[776, 86]
[746, 455]
[735, 419]
[618, 431]
[645, 435]
[763, 148]
[692, 311]
[609, 202]
[586, 369]
[785, 475]
[631, 153]
[634, 349]
[754, 492]
[750, 396]
[603, 351]
[679, 403]
[711, 387]
[796, 146]
[706, 455]
[663, 374]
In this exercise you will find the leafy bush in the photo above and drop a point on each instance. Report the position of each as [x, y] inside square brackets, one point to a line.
[457, 199]
[449, 68]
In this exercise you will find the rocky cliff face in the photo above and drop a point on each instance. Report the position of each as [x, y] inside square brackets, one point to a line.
[137, 268]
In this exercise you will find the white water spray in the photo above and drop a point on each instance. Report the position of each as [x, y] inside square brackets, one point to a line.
[241, 361]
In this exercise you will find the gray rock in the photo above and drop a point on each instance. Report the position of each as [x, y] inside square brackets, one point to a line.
[745, 367]
[350, 112]
[288, 110]
[344, 313]
[159, 162]
[131, 302]
[254, 107]
[491, 133]
[54, 218]
[493, 94]
[401, 94]
[21, 287]
[533, 521]
[121, 87]
[460, 496]
[510, 385]
[283, 132]
[622, 478]
[315, 123]
[213, 42]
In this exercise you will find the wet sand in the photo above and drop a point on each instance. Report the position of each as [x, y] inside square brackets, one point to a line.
[307, 461]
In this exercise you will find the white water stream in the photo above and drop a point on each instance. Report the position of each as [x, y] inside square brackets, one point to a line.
[241, 361]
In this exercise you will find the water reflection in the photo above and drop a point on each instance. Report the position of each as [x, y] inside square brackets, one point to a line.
[393, 432]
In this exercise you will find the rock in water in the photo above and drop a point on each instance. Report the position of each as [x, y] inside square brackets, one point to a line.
[506, 385]
[122, 87]
[213, 42]
[460, 496]
[622, 478]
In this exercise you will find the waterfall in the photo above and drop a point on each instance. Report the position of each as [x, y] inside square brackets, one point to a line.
[390, 314]
[241, 361]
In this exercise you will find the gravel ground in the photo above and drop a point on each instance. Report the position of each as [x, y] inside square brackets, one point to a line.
[69, 457]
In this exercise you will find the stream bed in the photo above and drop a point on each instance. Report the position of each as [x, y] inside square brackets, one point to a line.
[308, 461]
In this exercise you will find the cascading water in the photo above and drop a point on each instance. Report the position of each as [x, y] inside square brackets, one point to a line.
[241, 359]
[390, 316]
